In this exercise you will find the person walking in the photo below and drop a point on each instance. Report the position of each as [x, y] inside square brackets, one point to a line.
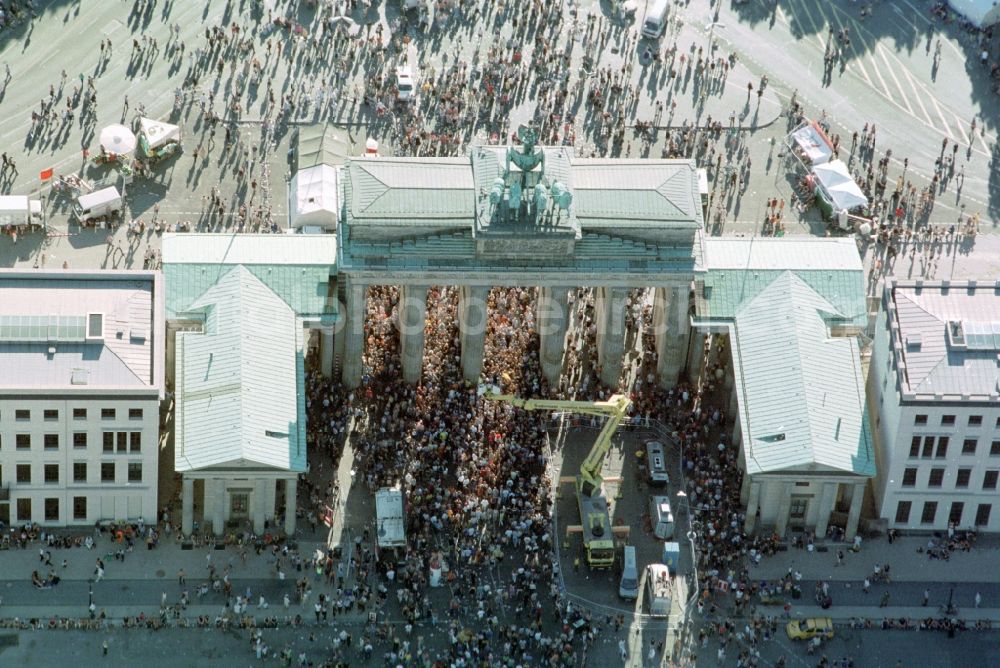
[181, 577]
[927, 597]
[979, 599]
[885, 600]
[104, 648]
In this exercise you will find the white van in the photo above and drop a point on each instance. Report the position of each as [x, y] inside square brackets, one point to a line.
[656, 19]
[661, 517]
[98, 204]
[628, 587]
[658, 590]
[20, 210]
[656, 462]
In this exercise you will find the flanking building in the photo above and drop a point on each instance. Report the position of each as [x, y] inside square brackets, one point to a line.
[933, 384]
[791, 311]
[81, 379]
[240, 311]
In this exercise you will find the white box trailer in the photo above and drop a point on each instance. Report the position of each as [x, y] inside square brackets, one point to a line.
[103, 203]
[20, 210]
[390, 524]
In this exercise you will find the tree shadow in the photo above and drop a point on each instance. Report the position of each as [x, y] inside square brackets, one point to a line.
[907, 32]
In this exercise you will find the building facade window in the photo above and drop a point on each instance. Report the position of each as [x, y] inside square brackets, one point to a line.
[969, 446]
[135, 471]
[929, 512]
[903, 512]
[123, 442]
[963, 477]
[23, 441]
[79, 413]
[109, 414]
[947, 420]
[909, 477]
[51, 441]
[135, 441]
[80, 508]
[23, 473]
[955, 512]
[135, 414]
[109, 441]
[935, 478]
[80, 472]
[51, 510]
[990, 479]
[942, 448]
[928, 447]
[22, 415]
[920, 420]
[983, 514]
[50, 415]
[995, 449]
[107, 471]
[79, 439]
[24, 510]
[52, 474]
[915, 446]
[975, 420]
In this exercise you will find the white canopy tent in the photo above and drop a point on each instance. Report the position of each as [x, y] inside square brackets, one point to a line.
[836, 181]
[314, 197]
[117, 139]
[158, 133]
[813, 144]
[981, 13]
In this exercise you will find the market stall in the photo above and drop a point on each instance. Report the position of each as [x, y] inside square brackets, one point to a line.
[158, 139]
[837, 193]
[810, 144]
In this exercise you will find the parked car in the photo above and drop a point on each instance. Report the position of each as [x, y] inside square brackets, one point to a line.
[814, 627]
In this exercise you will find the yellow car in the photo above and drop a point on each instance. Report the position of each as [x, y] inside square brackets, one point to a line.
[806, 629]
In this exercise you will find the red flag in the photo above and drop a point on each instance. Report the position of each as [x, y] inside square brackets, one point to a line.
[46, 174]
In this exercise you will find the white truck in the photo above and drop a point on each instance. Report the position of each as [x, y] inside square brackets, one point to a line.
[20, 210]
[390, 522]
[100, 204]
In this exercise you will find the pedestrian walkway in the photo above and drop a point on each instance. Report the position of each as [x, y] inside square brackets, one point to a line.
[907, 564]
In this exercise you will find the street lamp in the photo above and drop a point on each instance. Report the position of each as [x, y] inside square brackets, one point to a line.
[711, 35]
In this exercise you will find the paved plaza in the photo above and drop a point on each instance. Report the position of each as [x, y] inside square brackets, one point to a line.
[242, 77]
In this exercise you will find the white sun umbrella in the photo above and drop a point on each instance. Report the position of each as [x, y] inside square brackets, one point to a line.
[117, 139]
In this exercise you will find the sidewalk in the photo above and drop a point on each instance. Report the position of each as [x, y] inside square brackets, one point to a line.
[907, 565]
[842, 614]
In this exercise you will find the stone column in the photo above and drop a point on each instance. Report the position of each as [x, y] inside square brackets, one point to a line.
[326, 349]
[472, 328]
[412, 314]
[670, 327]
[753, 502]
[258, 505]
[609, 316]
[826, 501]
[857, 499]
[219, 508]
[696, 355]
[352, 331]
[187, 505]
[552, 319]
[784, 505]
[290, 504]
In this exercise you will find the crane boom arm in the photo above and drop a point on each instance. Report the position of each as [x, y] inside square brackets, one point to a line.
[615, 409]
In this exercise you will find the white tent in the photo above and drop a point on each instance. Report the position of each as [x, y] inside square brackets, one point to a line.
[813, 144]
[837, 182]
[981, 13]
[314, 195]
[117, 139]
[158, 133]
